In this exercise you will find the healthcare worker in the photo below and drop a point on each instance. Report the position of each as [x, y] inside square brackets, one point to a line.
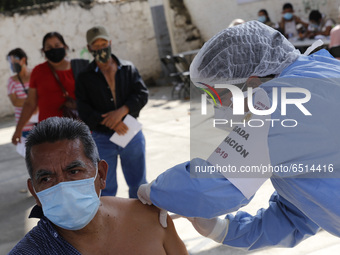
[300, 143]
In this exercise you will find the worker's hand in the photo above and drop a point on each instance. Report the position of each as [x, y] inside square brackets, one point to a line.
[16, 138]
[121, 128]
[214, 228]
[143, 194]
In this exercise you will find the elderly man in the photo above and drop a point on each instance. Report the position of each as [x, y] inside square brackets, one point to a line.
[297, 144]
[108, 90]
[66, 179]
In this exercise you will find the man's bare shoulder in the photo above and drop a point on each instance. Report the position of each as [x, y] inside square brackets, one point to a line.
[132, 207]
[142, 222]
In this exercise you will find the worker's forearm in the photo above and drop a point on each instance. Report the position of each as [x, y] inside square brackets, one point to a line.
[176, 190]
[281, 224]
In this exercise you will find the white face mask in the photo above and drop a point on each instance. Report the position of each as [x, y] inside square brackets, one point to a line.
[70, 205]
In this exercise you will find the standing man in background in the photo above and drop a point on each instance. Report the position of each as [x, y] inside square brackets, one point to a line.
[108, 90]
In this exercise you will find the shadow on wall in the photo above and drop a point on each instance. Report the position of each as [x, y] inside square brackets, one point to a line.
[186, 31]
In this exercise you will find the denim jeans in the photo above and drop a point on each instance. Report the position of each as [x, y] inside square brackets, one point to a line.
[132, 159]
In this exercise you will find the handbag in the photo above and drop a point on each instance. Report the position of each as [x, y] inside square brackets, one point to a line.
[69, 107]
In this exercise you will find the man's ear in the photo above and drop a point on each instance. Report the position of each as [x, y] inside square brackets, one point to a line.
[32, 191]
[102, 173]
[89, 48]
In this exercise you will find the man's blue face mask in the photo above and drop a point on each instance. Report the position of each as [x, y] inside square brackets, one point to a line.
[70, 205]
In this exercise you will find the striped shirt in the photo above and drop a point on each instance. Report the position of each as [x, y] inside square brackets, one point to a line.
[15, 87]
[43, 239]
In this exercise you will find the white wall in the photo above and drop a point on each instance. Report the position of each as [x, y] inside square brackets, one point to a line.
[129, 25]
[213, 16]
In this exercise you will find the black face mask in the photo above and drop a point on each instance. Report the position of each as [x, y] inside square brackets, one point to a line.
[55, 55]
[16, 67]
[102, 55]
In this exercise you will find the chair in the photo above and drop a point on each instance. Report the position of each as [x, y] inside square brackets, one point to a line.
[181, 63]
[183, 66]
[178, 78]
[335, 51]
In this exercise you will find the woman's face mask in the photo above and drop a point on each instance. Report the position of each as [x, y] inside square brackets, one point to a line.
[55, 55]
[14, 64]
[262, 18]
[15, 67]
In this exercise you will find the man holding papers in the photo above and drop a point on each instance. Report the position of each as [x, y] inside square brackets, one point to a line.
[110, 94]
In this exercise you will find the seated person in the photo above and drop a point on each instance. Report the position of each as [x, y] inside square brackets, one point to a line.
[263, 17]
[318, 25]
[66, 179]
[289, 22]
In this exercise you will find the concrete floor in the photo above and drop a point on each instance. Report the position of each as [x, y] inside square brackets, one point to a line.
[166, 126]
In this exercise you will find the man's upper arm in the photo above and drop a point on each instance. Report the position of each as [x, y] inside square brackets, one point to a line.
[139, 96]
[172, 242]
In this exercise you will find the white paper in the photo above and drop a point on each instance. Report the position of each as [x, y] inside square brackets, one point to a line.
[134, 127]
[21, 149]
[257, 146]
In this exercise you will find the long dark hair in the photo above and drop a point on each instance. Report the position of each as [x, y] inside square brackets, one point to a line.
[53, 34]
[265, 13]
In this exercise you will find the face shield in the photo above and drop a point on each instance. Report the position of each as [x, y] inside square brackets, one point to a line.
[14, 65]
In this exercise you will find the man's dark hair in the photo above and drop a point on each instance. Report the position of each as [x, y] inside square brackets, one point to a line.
[57, 129]
[287, 6]
[19, 53]
[315, 15]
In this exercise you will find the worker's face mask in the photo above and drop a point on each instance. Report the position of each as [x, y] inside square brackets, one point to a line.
[314, 26]
[102, 55]
[72, 204]
[55, 55]
[288, 16]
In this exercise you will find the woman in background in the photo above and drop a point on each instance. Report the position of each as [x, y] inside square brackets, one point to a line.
[18, 84]
[264, 18]
[44, 90]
